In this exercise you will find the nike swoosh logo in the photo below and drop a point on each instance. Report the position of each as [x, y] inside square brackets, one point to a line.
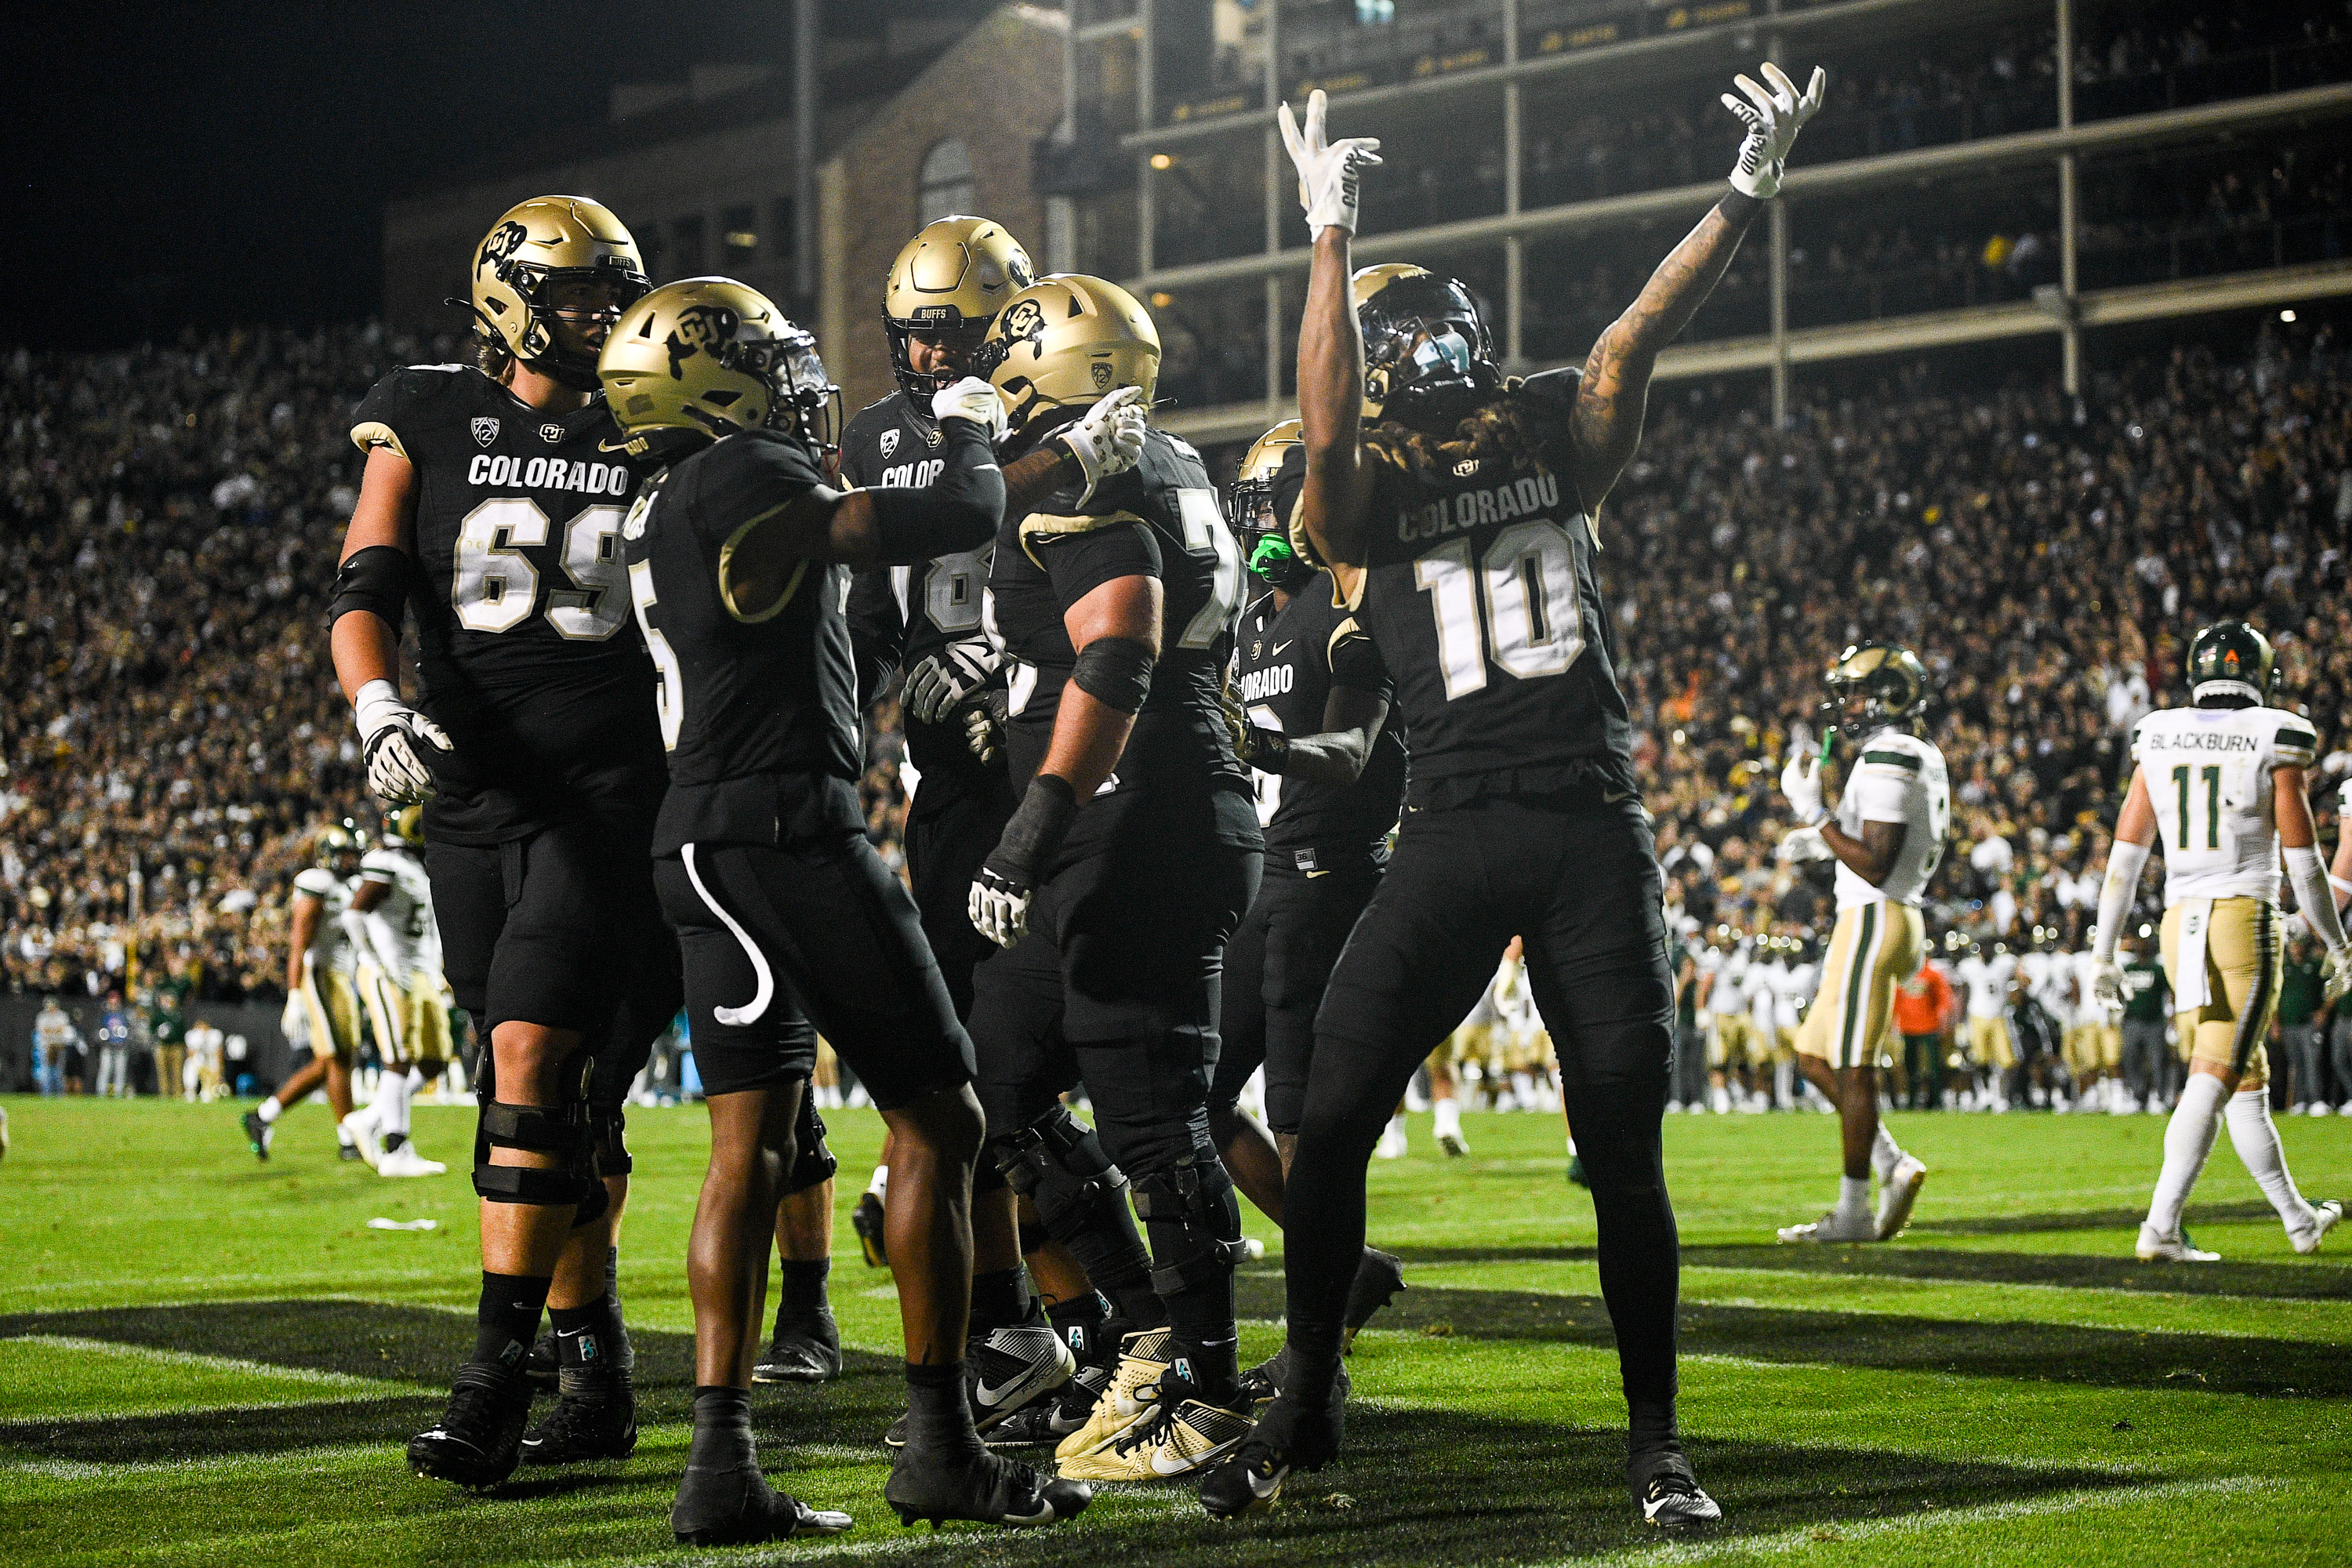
[1612, 797]
[1273, 1483]
[1280, 646]
[1044, 1515]
[1160, 1467]
[994, 1396]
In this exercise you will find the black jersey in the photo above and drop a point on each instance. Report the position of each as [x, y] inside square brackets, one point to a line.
[1288, 662]
[899, 615]
[1479, 591]
[525, 652]
[751, 704]
[1159, 519]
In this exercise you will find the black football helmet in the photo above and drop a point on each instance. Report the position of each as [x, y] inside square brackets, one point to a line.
[2230, 658]
[1429, 360]
[1873, 685]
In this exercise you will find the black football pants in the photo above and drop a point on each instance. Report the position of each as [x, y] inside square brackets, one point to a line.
[1275, 969]
[953, 826]
[1580, 883]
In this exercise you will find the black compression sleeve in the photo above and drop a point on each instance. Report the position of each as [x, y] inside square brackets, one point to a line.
[1738, 208]
[1117, 670]
[374, 580]
[958, 510]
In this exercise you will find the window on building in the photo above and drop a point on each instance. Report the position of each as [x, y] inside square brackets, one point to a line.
[783, 232]
[685, 241]
[1375, 13]
[944, 186]
[739, 233]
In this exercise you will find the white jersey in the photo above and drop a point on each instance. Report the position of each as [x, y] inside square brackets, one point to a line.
[2086, 966]
[1987, 981]
[53, 1029]
[2208, 772]
[1766, 982]
[1898, 778]
[1794, 991]
[398, 933]
[2048, 977]
[330, 939]
[1729, 994]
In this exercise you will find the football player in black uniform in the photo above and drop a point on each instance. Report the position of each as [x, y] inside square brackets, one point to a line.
[1467, 507]
[1125, 869]
[491, 507]
[1310, 714]
[738, 557]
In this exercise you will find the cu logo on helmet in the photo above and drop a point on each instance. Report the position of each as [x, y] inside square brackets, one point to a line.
[1025, 322]
[504, 241]
[701, 328]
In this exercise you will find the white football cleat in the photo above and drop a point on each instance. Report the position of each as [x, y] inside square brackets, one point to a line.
[2155, 1246]
[1392, 1144]
[405, 1160]
[1828, 1228]
[1897, 1194]
[2324, 1216]
[361, 1125]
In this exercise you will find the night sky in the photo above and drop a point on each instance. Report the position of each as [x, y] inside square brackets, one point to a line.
[176, 165]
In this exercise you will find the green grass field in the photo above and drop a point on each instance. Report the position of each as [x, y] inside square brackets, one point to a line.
[204, 1360]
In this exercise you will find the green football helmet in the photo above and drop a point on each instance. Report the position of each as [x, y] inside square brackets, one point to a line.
[1873, 685]
[2230, 658]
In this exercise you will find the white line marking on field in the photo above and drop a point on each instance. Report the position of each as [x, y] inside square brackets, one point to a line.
[333, 1387]
[155, 1357]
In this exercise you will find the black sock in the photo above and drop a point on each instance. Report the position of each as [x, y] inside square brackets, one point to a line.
[507, 1320]
[722, 1430]
[583, 1342]
[938, 1412]
[802, 1302]
[1000, 1299]
[1136, 1301]
[393, 1141]
[1213, 1365]
[1079, 1321]
[616, 1333]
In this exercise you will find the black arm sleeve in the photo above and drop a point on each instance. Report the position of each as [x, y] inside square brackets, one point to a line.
[958, 510]
[877, 632]
[375, 580]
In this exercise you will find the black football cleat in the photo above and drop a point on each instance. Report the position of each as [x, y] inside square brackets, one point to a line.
[865, 1219]
[803, 1353]
[737, 1506]
[1288, 1437]
[1670, 1497]
[256, 1135]
[1379, 1277]
[478, 1439]
[540, 1368]
[1576, 1177]
[595, 1417]
[977, 1485]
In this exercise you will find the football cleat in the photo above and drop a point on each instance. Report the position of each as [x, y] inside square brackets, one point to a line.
[1181, 1434]
[2324, 1216]
[865, 1219]
[1380, 1276]
[1830, 1228]
[595, 1417]
[1005, 1370]
[1673, 1499]
[1897, 1194]
[1452, 1142]
[738, 1507]
[1391, 1145]
[1142, 1361]
[980, 1486]
[478, 1439]
[257, 1134]
[2155, 1246]
[1055, 1416]
[540, 1367]
[405, 1160]
[803, 1353]
[359, 1130]
[1287, 1438]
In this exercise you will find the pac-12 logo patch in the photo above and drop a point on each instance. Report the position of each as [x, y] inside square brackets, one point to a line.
[889, 443]
[485, 429]
[1101, 370]
[552, 433]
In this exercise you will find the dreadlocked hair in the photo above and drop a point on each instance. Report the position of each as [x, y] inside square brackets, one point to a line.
[1505, 430]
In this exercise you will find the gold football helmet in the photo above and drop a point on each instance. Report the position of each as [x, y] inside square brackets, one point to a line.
[1066, 341]
[700, 358]
[405, 825]
[953, 277]
[530, 253]
[1249, 507]
[1428, 357]
[1873, 685]
[339, 846]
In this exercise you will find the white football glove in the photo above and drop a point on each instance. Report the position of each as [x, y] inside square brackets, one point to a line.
[973, 399]
[1773, 118]
[294, 1022]
[940, 680]
[1804, 845]
[2335, 976]
[1328, 169]
[395, 738]
[1000, 908]
[2107, 987]
[983, 725]
[1108, 440]
[1801, 781]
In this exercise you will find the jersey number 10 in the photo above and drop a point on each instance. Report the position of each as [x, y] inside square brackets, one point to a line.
[1533, 627]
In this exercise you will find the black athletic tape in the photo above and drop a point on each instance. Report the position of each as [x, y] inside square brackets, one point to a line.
[1035, 832]
[1738, 208]
[375, 580]
[530, 1185]
[1116, 671]
[958, 510]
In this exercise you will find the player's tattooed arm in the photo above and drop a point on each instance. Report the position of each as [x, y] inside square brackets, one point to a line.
[1334, 504]
[1606, 425]
[1870, 856]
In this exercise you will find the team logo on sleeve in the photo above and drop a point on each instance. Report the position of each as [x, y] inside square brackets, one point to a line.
[485, 429]
[889, 444]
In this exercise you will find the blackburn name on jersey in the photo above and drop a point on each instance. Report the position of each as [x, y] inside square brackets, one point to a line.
[525, 654]
[2208, 772]
[1288, 662]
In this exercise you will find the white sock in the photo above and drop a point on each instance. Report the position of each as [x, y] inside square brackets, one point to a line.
[269, 1110]
[1784, 1083]
[1447, 1114]
[1395, 1129]
[1853, 1199]
[2187, 1139]
[390, 1105]
[1883, 1155]
[880, 1185]
[1571, 1147]
[2256, 1138]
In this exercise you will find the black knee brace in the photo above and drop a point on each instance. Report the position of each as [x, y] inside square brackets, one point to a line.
[608, 1127]
[1195, 1224]
[563, 1131]
[812, 1163]
[1058, 1164]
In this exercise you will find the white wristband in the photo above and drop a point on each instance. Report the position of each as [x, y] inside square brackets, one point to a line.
[368, 707]
[2311, 879]
[2126, 861]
